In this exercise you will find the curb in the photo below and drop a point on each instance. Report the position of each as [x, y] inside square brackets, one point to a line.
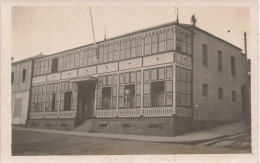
[117, 136]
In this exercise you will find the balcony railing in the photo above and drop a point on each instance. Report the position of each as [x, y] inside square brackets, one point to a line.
[129, 112]
[158, 111]
[106, 113]
[135, 112]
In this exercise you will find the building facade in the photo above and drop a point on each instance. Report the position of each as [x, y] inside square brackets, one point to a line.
[21, 77]
[145, 82]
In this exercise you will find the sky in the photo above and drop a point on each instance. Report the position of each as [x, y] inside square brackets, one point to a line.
[50, 30]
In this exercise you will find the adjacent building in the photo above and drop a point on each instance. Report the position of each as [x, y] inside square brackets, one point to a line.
[154, 81]
[21, 83]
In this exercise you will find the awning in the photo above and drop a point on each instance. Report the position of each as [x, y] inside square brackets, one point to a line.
[88, 78]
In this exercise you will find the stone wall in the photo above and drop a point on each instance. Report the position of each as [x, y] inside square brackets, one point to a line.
[163, 126]
[58, 124]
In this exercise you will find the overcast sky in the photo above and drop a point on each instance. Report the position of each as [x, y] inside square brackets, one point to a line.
[54, 29]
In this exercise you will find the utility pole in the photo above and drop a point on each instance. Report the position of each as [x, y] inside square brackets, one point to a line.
[245, 44]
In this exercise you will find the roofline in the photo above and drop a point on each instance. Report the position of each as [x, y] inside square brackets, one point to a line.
[28, 59]
[125, 35]
[210, 34]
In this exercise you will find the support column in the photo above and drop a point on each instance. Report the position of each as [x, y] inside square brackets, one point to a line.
[95, 102]
[174, 38]
[117, 96]
[174, 89]
[59, 100]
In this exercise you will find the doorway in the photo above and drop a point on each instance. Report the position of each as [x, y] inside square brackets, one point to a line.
[86, 99]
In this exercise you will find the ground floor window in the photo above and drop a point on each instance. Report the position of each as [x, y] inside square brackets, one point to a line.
[157, 93]
[67, 100]
[129, 96]
[183, 87]
[106, 97]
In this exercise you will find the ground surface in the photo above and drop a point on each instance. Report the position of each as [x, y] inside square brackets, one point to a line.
[32, 143]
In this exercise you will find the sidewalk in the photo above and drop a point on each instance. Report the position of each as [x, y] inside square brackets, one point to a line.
[190, 138]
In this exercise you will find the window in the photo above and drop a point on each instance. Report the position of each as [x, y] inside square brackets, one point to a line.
[107, 92]
[204, 55]
[12, 77]
[161, 42]
[139, 47]
[53, 102]
[205, 90]
[146, 97]
[133, 48]
[158, 89]
[130, 89]
[220, 65]
[129, 96]
[183, 42]
[128, 49]
[100, 54]
[24, 75]
[105, 54]
[106, 98]
[110, 54]
[122, 51]
[220, 93]
[157, 93]
[147, 45]
[234, 97]
[67, 100]
[54, 67]
[233, 65]
[38, 98]
[169, 40]
[155, 43]
[116, 51]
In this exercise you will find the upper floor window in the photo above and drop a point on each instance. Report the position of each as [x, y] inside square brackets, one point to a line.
[12, 77]
[220, 93]
[54, 67]
[183, 41]
[233, 65]
[204, 55]
[234, 97]
[220, 62]
[122, 51]
[147, 45]
[70, 62]
[155, 43]
[24, 75]
[169, 39]
[205, 90]
[161, 42]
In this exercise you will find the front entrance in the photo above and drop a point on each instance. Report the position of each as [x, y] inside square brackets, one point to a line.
[86, 99]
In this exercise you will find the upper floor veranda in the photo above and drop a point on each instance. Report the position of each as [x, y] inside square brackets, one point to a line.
[150, 41]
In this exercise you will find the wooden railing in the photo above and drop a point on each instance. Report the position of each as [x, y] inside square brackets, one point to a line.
[157, 112]
[135, 112]
[51, 115]
[67, 114]
[36, 115]
[129, 112]
[106, 113]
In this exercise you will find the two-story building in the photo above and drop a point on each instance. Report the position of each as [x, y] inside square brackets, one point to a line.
[154, 81]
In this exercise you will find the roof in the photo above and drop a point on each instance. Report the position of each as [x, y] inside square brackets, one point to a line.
[201, 30]
[188, 27]
[126, 35]
[29, 59]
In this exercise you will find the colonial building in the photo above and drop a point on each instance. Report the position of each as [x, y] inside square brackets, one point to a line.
[154, 81]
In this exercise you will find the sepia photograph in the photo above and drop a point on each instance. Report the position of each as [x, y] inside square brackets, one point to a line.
[94, 80]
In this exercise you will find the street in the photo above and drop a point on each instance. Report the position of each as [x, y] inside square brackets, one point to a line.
[33, 143]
